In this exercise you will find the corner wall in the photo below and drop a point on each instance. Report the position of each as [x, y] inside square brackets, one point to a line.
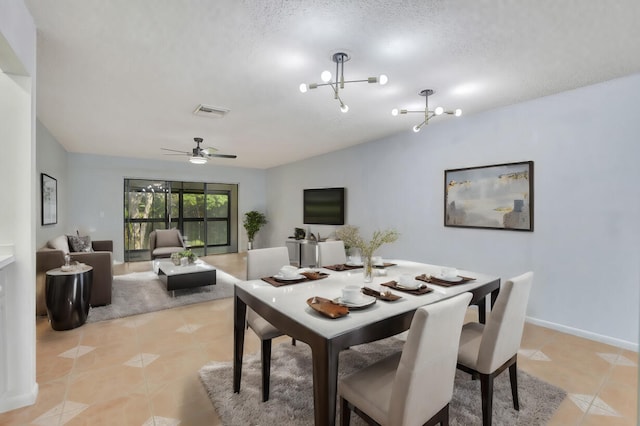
[584, 249]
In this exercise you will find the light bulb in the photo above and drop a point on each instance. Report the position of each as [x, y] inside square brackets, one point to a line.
[416, 128]
[395, 112]
[383, 79]
[325, 76]
[438, 110]
[344, 108]
[458, 112]
[303, 88]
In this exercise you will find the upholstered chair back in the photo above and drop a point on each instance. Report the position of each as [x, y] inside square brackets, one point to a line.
[503, 332]
[424, 379]
[266, 262]
[331, 253]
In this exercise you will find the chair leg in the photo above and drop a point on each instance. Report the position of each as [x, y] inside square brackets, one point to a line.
[513, 375]
[266, 368]
[440, 418]
[486, 391]
[293, 341]
[345, 412]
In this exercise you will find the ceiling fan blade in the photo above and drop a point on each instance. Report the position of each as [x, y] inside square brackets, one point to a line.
[181, 154]
[175, 150]
[208, 150]
[222, 155]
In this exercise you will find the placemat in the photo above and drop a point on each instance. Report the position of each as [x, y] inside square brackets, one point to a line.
[384, 265]
[308, 276]
[442, 282]
[388, 297]
[417, 291]
[342, 267]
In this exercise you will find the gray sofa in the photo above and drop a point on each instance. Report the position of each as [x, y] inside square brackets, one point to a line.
[52, 256]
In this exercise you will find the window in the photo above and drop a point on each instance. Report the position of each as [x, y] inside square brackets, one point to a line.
[205, 213]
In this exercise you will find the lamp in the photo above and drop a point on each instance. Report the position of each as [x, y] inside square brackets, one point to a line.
[340, 58]
[428, 115]
[198, 160]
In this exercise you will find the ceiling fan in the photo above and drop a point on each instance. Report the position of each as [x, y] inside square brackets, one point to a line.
[200, 155]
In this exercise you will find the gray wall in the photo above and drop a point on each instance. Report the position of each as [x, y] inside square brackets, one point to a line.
[96, 191]
[51, 158]
[585, 246]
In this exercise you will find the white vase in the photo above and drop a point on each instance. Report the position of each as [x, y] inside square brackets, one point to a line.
[250, 245]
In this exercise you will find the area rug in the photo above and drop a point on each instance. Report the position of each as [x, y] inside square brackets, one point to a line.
[291, 396]
[142, 292]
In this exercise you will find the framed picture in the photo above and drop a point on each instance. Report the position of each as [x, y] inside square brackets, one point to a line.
[49, 187]
[493, 197]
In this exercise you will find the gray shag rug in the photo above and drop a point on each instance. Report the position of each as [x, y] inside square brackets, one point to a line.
[142, 292]
[291, 396]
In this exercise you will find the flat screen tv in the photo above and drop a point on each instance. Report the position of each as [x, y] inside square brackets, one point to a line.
[323, 206]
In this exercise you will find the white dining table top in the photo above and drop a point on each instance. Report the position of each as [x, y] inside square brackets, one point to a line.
[291, 299]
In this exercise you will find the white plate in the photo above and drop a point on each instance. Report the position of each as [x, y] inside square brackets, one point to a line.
[451, 279]
[362, 303]
[415, 285]
[292, 278]
[354, 263]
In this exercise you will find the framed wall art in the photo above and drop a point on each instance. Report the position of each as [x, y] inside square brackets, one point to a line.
[49, 187]
[494, 197]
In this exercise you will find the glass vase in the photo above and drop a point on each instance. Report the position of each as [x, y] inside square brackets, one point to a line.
[367, 267]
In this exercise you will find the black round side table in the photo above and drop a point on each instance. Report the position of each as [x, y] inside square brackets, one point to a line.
[67, 293]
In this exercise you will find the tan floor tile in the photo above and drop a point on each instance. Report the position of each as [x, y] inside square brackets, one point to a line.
[592, 420]
[108, 333]
[106, 383]
[169, 366]
[123, 410]
[534, 336]
[621, 398]
[106, 356]
[52, 367]
[181, 398]
[567, 414]
[624, 375]
[167, 341]
[50, 395]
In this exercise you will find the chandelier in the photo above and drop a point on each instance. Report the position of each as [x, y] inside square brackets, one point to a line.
[428, 115]
[340, 58]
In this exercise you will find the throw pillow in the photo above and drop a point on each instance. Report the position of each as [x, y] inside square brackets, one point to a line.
[79, 244]
[59, 243]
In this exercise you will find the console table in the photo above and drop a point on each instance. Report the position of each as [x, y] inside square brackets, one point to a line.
[67, 294]
[303, 253]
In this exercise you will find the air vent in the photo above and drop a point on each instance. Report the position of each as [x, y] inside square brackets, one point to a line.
[210, 111]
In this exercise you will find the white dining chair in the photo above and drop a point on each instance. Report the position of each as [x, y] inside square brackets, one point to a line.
[415, 386]
[487, 350]
[261, 263]
[331, 253]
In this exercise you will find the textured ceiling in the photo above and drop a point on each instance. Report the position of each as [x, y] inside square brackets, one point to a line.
[123, 77]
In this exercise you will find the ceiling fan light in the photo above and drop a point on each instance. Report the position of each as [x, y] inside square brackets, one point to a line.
[325, 76]
[417, 128]
[303, 88]
[344, 108]
[383, 79]
[198, 160]
[458, 112]
[438, 111]
[395, 112]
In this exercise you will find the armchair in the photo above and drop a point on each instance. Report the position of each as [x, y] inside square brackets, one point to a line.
[164, 242]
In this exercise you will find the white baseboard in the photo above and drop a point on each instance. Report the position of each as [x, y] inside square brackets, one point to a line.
[586, 334]
[14, 402]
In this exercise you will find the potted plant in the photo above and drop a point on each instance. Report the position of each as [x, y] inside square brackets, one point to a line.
[351, 237]
[253, 221]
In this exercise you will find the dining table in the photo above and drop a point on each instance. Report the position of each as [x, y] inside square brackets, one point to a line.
[287, 307]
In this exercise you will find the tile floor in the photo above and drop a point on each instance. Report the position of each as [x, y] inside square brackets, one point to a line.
[143, 370]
